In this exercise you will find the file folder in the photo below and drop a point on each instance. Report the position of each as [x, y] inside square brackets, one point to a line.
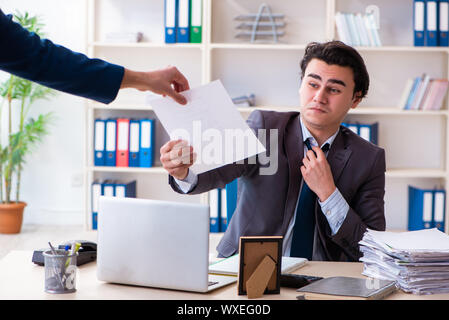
[125, 190]
[369, 132]
[146, 142]
[419, 22]
[439, 209]
[122, 142]
[223, 210]
[111, 132]
[96, 193]
[108, 188]
[196, 18]
[170, 20]
[134, 143]
[231, 199]
[443, 23]
[183, 31]
[431, 23]
[420, 208]
[214, 204]
[99, 142]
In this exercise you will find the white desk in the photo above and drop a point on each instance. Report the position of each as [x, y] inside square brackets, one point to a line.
[22, 279]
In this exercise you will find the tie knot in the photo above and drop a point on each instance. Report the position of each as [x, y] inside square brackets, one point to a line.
[324, 148]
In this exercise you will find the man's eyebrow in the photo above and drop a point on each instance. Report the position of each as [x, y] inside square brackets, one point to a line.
[336, 81]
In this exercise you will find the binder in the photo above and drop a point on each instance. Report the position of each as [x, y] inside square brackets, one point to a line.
[111, 131]
[108, 188]
[419, 22]
[439, 209]
[420, 208]
[95, 196]
[134, 143]
[125, 190]
[146, 142]
[369, 132]
[99, 142]
[122, 142]
[431, 23]
[231, 199]
[214, 204]
[183, 31]
[223, 211]
[170, 20]
[443, 23]
[353, 127]
[196, 21]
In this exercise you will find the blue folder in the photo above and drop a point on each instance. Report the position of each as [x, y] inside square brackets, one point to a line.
[99, 142]
[183, 24]
[111, 143]
[439, 209]
[146, 142]
[443, 23]
[231, 199]
[134, 143]
[369, 131]
[419, 22]
[431, 23]
[96, 192]
[125, 189]
[215, 209]
[170, 20]
[420, 208]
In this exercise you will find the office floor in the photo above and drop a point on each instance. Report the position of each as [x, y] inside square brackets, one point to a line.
[37, 236]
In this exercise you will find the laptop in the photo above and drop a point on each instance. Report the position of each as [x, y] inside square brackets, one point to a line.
[155, 243]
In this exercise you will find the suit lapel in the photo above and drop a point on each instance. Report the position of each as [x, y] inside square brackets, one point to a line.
[338, 156]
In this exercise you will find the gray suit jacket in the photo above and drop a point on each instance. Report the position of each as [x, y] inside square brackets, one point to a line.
[266, 203]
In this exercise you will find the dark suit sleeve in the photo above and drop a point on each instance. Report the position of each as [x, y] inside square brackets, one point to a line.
[26, 55]
[218, 178]
[366, 210]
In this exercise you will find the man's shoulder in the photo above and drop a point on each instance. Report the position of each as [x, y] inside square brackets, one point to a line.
[273, 119]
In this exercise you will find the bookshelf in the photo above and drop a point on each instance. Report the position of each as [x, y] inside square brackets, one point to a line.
[416, 142]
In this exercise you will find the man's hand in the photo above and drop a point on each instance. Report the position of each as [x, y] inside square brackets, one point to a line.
[176, 157]
[317, 174]
[167, 82]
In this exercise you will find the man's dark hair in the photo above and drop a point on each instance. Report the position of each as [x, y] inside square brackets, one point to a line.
[338, 53]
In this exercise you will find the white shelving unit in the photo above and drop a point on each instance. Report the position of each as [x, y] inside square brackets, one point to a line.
[415, 141]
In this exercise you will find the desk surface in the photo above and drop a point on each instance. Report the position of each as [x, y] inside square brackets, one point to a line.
[21, 279]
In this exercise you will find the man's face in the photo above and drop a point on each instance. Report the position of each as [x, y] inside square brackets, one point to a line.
[326, 94]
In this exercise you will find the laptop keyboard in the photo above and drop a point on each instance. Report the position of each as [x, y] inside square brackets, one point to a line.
[211, 283]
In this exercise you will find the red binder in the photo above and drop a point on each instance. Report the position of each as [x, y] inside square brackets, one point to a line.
[122, 142]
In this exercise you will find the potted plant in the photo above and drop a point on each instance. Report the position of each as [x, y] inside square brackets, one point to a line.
[19, 94]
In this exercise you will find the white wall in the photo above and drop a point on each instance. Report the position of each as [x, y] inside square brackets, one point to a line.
[53, 176]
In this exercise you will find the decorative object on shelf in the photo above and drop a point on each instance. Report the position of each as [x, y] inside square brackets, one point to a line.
[125, 37]
[424, 93]
[260, 25]
[359, 29]
[245, 100]
[20, 143]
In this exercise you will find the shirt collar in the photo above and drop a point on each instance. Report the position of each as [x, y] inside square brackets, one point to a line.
[307, 135]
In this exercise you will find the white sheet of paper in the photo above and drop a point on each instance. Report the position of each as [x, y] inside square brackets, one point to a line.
[211, 123]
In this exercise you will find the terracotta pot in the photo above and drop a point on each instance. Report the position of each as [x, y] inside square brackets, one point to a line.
[11, 216]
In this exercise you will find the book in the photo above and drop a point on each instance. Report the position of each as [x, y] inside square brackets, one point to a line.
[230, 266]
[347, 288]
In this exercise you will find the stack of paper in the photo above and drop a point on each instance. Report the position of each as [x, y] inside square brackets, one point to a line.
[417, 260]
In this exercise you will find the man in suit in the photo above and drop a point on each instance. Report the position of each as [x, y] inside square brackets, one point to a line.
[329, 184]
[28, 56]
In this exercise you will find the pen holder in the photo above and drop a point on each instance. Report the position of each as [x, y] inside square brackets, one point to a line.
[60, 271]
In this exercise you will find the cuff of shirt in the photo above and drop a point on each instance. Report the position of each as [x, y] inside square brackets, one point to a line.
[188, 183]
[335, 208]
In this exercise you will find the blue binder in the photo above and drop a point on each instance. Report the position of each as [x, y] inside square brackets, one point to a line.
[183, 24]
[170, 20]
[419, 22]
[431, 23]
[439, 209]
[99, 142]
[125, 189]
[443, 23]
[231, 199]
[146, 142]
[369, 131]
[95, 195]
[108, 188]
[134, 143]
[215, 208]
[420, 208]
[111, 145]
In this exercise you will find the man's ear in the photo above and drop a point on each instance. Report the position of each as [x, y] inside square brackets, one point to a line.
[357, 98]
